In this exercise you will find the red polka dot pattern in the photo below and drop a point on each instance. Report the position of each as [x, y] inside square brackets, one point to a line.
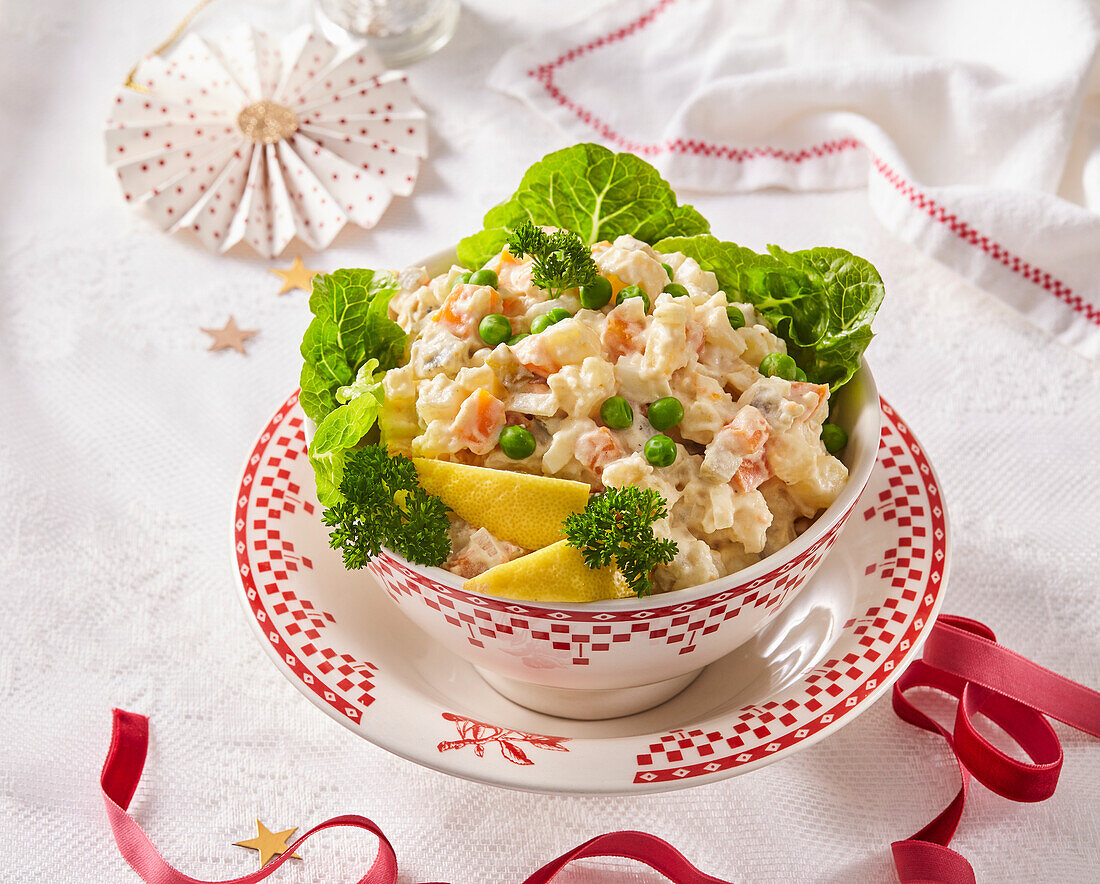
[178, 152]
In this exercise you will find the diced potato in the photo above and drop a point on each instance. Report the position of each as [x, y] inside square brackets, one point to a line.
[634, 263]
[581, 389]
[637, 383]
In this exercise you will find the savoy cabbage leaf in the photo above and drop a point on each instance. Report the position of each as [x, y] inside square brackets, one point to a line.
[350, 325]
[343, 428]
[820, 301]
[592, 191]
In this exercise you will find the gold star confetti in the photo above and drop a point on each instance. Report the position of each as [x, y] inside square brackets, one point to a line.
[230, 336]
[297, 277]
[269, 844]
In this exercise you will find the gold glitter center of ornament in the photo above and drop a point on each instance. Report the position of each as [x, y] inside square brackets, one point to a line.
[267, 122]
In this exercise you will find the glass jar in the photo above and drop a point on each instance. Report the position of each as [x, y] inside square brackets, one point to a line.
[401, 31]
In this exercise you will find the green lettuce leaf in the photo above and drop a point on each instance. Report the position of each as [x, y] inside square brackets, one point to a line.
[350, 326]
[820, 301]
[592, 191]
[343, 428]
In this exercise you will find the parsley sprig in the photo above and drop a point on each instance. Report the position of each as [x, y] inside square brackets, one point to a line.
[559, 260]
[617, 525]
[384, 504]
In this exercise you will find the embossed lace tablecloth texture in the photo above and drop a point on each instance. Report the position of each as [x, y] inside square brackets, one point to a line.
[974, 126]
[122, 439]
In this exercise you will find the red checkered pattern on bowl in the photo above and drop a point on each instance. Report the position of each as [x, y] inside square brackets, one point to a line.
[267, 562]
[588, 633]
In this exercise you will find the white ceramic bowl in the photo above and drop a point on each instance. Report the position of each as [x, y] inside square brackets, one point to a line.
[612, 658]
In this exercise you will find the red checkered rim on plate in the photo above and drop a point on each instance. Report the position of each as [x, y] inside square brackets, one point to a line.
[266, 494]
[887, 633]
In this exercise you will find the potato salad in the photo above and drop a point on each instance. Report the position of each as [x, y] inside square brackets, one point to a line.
[650, 376]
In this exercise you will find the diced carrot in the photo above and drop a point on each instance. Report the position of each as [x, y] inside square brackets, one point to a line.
[745, 436]
[466, 564]
[489, 411]
[809, 395]
[480, 554]
[597, 448]
[479, 421]
[748, 431]
[535, 356]
[622, 335]
[751, 474]
[466, 306]
[448, 312]
[512, 307]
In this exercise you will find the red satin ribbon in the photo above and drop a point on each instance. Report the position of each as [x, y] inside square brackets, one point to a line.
[126, 759]
[119, 779]
[961, 658]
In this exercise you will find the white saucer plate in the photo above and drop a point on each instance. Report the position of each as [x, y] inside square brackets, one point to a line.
[827, 656]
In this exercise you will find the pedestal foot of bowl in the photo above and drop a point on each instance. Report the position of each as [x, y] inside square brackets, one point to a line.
[588, 705]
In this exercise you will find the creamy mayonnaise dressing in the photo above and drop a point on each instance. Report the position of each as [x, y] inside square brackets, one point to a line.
[750, 471]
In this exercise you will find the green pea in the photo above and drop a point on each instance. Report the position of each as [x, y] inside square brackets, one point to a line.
[517, 442]
[736, 316]
[558, 314]
[834, 438]
[540, 324]
[779, 365]
[665, 413]
[484, 277]
[668, 269]
[659, 450]
[596, 294]
[633, 291]
[515, 339]
[462, 279]
[676, 290]
[616, 413]
[800, 375]
[494, 329]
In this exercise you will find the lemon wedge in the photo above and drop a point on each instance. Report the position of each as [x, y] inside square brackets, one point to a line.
[556, 573]
[517, 507]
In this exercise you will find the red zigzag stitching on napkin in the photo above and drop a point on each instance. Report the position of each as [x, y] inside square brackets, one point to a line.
[997, 252]
[1036, 275]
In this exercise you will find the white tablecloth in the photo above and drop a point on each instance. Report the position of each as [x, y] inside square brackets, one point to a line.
[121, 440]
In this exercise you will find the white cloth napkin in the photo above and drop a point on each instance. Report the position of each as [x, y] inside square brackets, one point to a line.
[975, 126]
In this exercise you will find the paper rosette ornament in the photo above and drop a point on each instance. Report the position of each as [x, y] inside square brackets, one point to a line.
[259, 139]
